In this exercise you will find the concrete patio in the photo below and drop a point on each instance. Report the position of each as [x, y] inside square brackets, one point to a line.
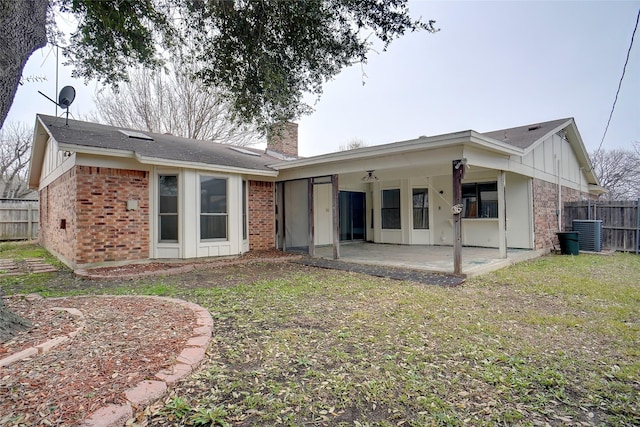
[438, 259]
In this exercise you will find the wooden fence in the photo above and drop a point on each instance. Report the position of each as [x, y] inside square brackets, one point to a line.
[620, 222]
[18, 219]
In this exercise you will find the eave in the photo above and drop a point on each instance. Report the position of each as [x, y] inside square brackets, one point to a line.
[158, 161]
[404, 147]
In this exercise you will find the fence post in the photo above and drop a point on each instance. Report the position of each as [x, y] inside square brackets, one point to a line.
[29, 229]
[637, 226]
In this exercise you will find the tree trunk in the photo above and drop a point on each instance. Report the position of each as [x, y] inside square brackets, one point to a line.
[22, 32]
[10, 323]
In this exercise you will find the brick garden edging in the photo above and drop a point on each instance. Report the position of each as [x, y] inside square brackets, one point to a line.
[147, 391]
[46, 346]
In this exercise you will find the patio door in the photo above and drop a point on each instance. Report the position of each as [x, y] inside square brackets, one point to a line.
[352, 215]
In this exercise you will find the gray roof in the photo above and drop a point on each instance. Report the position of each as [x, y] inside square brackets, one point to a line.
[524, 136]
[161, 147]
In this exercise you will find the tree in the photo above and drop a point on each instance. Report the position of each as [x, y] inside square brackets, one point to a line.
[15, 149]
[15, 144]
[172, 102]
[264, 54]
[619, 172]
[22, 31]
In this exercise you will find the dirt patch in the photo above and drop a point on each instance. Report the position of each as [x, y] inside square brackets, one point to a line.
[418, 276]
[152, 268]
[113, 352]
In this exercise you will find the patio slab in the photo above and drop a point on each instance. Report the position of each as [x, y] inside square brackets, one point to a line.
[438, 259]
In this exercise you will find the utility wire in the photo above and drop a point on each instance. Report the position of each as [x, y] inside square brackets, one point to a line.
[624, 69]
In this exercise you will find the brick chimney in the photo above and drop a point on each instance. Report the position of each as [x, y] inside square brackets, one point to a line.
[283, 138]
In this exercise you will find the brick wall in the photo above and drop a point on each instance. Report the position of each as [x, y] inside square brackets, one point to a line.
[545, 205]
[106, 231]
[57, 203]
[261, 215]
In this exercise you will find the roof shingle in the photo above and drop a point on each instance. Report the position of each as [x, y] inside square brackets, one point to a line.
[161, 147]
[524, 136]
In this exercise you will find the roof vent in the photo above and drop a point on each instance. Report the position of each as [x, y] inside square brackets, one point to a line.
[136, 135]
[243, 151]
[534, 127]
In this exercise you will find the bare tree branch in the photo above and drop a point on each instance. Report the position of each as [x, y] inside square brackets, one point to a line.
[619, 172]
[172, 102]
[15, 149]
[352, 144]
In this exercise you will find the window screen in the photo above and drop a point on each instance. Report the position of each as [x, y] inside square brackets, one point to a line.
[391, 209]
[213, 208]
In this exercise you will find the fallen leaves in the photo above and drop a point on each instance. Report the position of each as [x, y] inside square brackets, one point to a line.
[96, 366]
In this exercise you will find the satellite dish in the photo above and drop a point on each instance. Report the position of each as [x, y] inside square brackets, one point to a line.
[66, 97]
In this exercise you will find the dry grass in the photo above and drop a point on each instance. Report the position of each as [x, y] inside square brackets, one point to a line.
[554, 341]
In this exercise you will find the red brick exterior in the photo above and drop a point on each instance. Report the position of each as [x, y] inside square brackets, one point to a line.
[93, 203]
[57, 203]
[261, 215]
[106, 230]
[545, 205]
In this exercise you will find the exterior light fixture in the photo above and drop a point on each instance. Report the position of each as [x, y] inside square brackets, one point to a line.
[369, 177]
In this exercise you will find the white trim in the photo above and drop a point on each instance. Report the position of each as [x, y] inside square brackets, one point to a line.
[65, 167]
[419, 144]
[203, 166]
[502, 211]
[175, 249]
[218, 240]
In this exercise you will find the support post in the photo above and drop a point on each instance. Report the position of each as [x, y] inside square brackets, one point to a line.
[335, 208]
[456, 210]
[283, 218]
[311, 238]
[502, 215]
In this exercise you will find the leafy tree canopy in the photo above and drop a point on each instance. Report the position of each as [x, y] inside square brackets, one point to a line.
[265, 54]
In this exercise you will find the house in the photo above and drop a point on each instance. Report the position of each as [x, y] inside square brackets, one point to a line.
[117, 195]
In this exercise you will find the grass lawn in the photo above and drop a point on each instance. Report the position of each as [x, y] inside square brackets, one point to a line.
[552, 341]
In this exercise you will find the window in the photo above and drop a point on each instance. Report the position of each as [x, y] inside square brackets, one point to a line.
[391, 209]
[213, 208]
[244, 210]
[168, 210]
[420, 209]
[480, 200]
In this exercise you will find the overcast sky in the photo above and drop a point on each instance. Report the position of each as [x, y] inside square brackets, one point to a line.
[493, 65]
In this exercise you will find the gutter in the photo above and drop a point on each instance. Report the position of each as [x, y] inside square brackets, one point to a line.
[164, 162]
[403, 147]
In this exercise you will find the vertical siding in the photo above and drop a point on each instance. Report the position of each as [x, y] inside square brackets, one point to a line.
[519, 211]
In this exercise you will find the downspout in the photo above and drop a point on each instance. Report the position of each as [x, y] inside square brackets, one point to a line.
[559, 210]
